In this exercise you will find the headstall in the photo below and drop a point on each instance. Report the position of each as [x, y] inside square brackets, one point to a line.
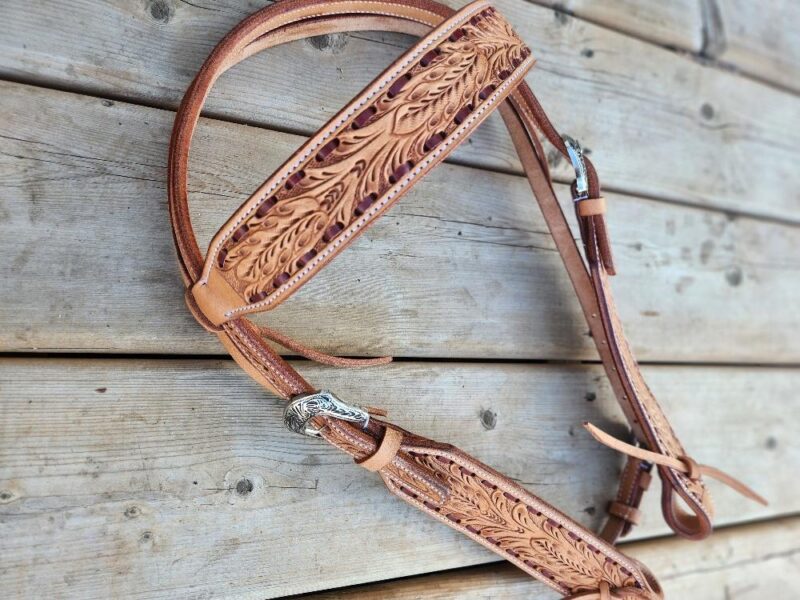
[467, 64]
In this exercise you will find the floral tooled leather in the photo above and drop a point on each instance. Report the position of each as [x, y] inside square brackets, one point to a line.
[529, 532]
[354, 173]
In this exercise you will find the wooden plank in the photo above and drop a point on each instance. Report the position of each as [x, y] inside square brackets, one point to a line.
[131, 478]
[758, 39]
[87, 244]
[742, 563]
[661, 125]
[673, 23]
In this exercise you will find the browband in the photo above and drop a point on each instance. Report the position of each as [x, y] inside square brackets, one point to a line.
[467, 64]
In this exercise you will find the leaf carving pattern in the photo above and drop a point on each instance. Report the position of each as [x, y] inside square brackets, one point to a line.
[366, 157]
[522, 531]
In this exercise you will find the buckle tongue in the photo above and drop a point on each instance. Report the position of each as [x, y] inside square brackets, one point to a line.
[299, 412]
[575, 154]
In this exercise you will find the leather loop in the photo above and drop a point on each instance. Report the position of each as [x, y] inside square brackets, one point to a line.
[387, 450]
[628, 513]
[591, 206]
[683, 464]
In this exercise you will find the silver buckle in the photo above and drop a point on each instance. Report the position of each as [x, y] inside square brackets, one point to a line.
[305, 407]
[575, 154]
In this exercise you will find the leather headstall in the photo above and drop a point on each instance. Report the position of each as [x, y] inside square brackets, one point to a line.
[466, 64]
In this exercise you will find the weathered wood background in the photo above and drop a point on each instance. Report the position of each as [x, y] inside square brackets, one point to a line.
[137, 461]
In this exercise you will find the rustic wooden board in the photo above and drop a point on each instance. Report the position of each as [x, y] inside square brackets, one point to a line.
[88, 248]
[673, 23]
[757, 39]
[750, 562]
[660, 125]
[131, 478]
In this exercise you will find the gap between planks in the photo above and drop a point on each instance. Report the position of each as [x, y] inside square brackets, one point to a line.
[748, 562]
[439, 275]
[146, 473]
[650, 94]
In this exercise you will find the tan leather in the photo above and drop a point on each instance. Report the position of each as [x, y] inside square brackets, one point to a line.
[635, 481]
[321, 357]
[591, 206]
[387, 449]
[360, 163]
[270, 254]
[682, 464]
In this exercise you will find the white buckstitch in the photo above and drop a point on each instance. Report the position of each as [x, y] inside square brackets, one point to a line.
[213, 254]
[377, 207]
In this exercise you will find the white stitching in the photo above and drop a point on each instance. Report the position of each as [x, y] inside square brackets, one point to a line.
[377, 207]
[213, 254]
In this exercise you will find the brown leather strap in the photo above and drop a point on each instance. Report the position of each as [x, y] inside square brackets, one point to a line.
[247, 270]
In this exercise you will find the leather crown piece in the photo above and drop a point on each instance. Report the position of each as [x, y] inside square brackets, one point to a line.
[466, 65]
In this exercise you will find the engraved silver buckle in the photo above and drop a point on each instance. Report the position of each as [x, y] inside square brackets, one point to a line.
[575, 154]
[305, 407]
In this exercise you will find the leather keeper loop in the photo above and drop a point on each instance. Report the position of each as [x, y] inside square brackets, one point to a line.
[625, 512]
[387, 450]
[592, 206]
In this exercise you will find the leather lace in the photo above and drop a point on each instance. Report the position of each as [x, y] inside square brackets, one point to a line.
[683, 464]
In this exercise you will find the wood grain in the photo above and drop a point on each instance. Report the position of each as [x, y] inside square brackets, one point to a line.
[164, 478]
[749, 562]
[659, 125]
[463, 267]
[674, 23]
[755, 39]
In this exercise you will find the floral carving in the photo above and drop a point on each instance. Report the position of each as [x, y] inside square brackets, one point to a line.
[526, 530]
[328, 190]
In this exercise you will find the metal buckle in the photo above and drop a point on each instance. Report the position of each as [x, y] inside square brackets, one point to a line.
[575, 154]
[305, 407]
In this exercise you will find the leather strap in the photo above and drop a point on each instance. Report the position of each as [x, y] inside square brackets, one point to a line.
[349, 173]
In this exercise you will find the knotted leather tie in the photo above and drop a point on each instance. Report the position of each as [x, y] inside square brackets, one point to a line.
[682, 464]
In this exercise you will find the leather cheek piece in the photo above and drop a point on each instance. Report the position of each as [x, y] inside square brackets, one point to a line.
[387, 450]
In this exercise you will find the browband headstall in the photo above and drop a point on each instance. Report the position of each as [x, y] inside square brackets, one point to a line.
[467, 64]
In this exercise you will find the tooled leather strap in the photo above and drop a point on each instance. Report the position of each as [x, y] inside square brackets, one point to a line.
[337, 184]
